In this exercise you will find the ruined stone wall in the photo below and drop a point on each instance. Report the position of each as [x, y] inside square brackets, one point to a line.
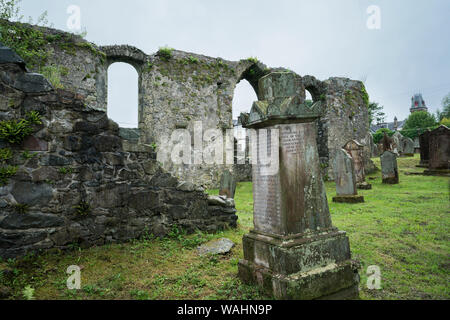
[345, 118]
[71, 181]
[180, 88]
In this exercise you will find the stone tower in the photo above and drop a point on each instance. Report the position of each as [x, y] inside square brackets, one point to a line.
[417, 103]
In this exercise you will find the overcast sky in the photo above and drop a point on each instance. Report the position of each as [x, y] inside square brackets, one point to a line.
[409, 54]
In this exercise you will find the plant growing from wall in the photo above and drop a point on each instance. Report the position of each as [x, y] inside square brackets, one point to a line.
[27, 155]
[15, 131]
[165, 53]
[21, 208]
[53, 74]
[82, 209]
[5, 155]
[6, 172]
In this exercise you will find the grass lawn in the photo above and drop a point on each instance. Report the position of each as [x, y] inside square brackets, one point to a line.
[403, 229]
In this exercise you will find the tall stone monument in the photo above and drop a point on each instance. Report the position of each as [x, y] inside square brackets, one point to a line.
[424, 149]
[355, 150]
[293, 252]
[345, 178]
[389, 168]
[439, 152]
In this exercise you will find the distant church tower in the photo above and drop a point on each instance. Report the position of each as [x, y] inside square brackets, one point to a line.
[417, 103]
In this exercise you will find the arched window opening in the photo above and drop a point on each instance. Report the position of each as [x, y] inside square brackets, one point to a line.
[123, 95]
[309, 99]
[244, 96]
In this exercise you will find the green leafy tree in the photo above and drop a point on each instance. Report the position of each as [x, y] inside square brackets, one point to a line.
[446, 109]
[9, 10]
[376, 113]
[377, 136]
[418, 121]
[445, 122]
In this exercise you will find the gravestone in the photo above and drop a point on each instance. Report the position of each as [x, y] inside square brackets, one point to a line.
[408, 147]
[356, 150]
[293, 252]
[389, 168]
[424, 148]
[227, 184]
[439, 152]
[397, 138]
[345, 178]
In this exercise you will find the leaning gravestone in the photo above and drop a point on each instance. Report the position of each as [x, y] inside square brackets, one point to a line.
[355, 150]
[293, 252]
[424, 148]
[389, 169]
[439, 152]
[227, 184]
[408, 147]
[345, 178]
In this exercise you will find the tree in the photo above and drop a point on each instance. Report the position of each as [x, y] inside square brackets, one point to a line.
[420, 120]
[9, 10]
[376, 113]
[446, 109]
[377, 136]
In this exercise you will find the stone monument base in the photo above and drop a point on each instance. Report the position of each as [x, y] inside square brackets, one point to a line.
[349, 199]
[300, 267]
[405, 155]
[437, 172]
[364, 186]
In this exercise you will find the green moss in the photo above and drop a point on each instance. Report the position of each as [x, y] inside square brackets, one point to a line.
[252, 59]
[365, 96]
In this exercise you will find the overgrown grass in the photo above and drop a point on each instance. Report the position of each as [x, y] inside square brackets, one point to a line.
[401, 228]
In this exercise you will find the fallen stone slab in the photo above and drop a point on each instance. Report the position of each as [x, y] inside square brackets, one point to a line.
[220, 246]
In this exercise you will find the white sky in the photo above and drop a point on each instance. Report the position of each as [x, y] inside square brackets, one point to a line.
[324, 38]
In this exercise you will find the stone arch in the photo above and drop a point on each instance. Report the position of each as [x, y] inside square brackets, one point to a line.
[315, 87]
[252, 73]
[132, 56]
[126, 54]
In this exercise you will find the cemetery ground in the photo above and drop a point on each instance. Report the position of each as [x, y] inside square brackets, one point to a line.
[403, 229]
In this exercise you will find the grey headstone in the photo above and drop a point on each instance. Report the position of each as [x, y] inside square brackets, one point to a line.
[389, 169]
[227, 184]
[220, 246]
[408, 146]
[344, 174]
